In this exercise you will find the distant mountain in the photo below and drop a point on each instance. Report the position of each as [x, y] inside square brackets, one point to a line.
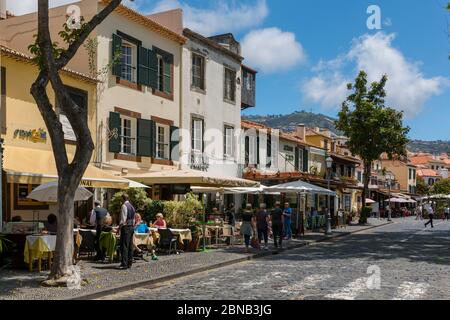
[289, 122]
[434, 147]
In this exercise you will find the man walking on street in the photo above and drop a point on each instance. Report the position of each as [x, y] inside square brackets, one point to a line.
[276, 217]
[287, 214]
[430, 211]
[127, 222]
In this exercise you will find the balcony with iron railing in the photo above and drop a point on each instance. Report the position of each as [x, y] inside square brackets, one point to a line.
[199, 161]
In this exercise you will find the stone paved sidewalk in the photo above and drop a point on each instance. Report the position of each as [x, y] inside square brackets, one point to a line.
[104, 278]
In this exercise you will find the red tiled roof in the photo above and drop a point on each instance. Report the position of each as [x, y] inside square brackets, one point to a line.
[427, 173]
[420, 159]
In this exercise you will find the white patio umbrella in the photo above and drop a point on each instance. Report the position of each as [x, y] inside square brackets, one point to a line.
[48, 192]
[397, 200]
[370, 201]
[299, 187]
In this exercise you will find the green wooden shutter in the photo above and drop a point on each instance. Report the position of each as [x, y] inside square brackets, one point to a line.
[168, 62]
[203, 136]
[144, 133]
[174, 143]
[153, 138]
[305, 161]
[257, 150]
[297, 159]
[153, 69]
[116, 48]
[143, 76]
[269, 150]
[247, 150]
[114, 127]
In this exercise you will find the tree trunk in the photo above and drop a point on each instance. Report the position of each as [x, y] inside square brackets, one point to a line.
[70, 174]
[365, 193]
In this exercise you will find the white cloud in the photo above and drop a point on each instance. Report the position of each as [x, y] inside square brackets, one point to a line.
[221, 17]
[272, 50]
[20, 7]
[407, 88]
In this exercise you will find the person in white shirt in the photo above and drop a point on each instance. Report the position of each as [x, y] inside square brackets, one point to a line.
[419, 211]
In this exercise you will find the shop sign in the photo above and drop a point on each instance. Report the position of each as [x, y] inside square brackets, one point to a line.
[86, 183]
[34, 135]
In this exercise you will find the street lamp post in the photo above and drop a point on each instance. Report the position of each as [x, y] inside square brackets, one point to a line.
[329, 162]
[389, 179]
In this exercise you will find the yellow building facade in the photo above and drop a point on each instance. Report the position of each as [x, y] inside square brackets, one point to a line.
[27, 156]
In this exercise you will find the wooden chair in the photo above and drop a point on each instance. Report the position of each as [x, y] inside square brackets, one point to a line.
[227, 233]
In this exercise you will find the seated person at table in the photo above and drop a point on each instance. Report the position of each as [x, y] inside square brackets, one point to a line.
[160, 223]
[141, 225]
[16, 219]
[51, 225]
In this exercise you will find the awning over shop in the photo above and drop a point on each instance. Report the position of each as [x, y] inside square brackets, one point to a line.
[300, 187]
[239, 190]
[192, 177]
[34, 166]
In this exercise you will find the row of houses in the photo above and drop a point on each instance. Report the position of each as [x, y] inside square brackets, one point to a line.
[161, 98]
[158, 97]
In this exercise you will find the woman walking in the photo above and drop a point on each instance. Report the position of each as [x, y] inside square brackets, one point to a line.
[247, 230]
[262, 225]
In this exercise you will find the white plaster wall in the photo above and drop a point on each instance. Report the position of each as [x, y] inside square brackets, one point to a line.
[210, 106]
[112, 95]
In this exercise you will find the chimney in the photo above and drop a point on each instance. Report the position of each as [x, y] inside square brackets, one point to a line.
[2, 9]
[301, 131]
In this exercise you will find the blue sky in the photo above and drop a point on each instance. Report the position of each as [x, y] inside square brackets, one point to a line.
[306, 51]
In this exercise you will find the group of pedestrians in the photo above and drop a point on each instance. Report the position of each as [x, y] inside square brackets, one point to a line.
[256, 227]
[430, 211]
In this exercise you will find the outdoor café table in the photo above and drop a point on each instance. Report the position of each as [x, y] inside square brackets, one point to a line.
[145, 239]
[183, 235]
[36, 247]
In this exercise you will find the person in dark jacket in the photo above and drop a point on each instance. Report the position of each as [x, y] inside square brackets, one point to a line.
[276, 217]
[100, 214]
[262, 225]
[127, 224]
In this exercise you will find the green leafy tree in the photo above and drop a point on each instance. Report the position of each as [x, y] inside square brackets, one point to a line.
[138, 198]
[372, 128]
[423, 189]
[51, 59]
[442, 187]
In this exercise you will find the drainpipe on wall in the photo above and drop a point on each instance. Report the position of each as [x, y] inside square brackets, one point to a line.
[180, 153]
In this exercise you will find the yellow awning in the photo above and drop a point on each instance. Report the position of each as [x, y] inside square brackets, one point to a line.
[192, 177]
[34, 166]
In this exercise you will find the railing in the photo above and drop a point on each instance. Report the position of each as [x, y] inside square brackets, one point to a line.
[199, 161]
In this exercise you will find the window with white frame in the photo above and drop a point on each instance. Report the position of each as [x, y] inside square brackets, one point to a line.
[128, 61]
[230, 85]
[228, 141]
[274, 145]
[197, 135]
[162, 141]
[128, 136]
[198, 71]
[253, 149]
[347, 202]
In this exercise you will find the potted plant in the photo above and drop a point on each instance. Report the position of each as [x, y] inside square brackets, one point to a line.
[3, 247]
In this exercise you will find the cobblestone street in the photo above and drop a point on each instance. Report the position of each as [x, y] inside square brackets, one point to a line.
[413, 263]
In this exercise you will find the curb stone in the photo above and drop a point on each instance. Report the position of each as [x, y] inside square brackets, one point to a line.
[153, 282]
